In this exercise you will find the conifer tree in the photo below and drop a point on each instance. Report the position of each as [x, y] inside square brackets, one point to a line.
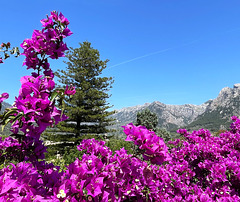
[148, 119]
[88, 108]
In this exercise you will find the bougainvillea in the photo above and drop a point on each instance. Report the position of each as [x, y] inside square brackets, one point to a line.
[200, 167]
[34, 109]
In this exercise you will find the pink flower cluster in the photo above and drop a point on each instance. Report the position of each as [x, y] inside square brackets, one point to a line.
[34, 109]
[46, 42]
[201, 168]
[70, 90]
[24, 182]
[153, 147]
[3, 97]
[34, 102]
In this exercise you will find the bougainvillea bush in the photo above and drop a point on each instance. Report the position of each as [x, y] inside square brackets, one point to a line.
[201, 167]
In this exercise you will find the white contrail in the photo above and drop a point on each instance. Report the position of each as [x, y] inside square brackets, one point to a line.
[180, 46]
[153, 53]
[143, 56]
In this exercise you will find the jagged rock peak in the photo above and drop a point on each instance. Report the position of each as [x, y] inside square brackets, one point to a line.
[225, 89]
[227, 92]
[158, 103]
[237, 85]
[137, 107]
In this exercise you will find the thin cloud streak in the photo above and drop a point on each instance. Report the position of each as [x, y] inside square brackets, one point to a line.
[154, 53]
[180, 46]
[140, 57]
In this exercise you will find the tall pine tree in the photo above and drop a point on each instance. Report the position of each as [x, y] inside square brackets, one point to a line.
[88, 109]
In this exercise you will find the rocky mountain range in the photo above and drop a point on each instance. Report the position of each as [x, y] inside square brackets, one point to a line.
[6, 130]
[213, 114]
[4, 106]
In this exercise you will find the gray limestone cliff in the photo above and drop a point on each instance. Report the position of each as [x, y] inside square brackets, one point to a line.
[213, 113]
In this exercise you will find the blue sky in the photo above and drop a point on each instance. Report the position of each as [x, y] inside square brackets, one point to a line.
[172, 51]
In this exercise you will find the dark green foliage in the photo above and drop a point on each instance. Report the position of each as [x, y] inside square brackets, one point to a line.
[62, 150]
[164, 134]
[148, 119]
[64, 154]
[116, 144]
[88, 109]
[58, 144]
[71, 155]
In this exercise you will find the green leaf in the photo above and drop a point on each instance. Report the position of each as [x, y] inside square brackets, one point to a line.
[10, 112]
[6, 56]
[19, 116]
[6, 121]
[20, 123]
[53, 96]
[16, 50]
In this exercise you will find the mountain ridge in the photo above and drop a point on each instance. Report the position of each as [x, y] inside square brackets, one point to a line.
[4, 106]
[218, 111]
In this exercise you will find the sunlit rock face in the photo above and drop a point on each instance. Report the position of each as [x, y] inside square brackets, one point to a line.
[224, 106]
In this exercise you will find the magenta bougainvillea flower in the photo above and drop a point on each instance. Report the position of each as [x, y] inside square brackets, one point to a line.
[153, 146]
[3, 97]
[70, 90]
[47, 41]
